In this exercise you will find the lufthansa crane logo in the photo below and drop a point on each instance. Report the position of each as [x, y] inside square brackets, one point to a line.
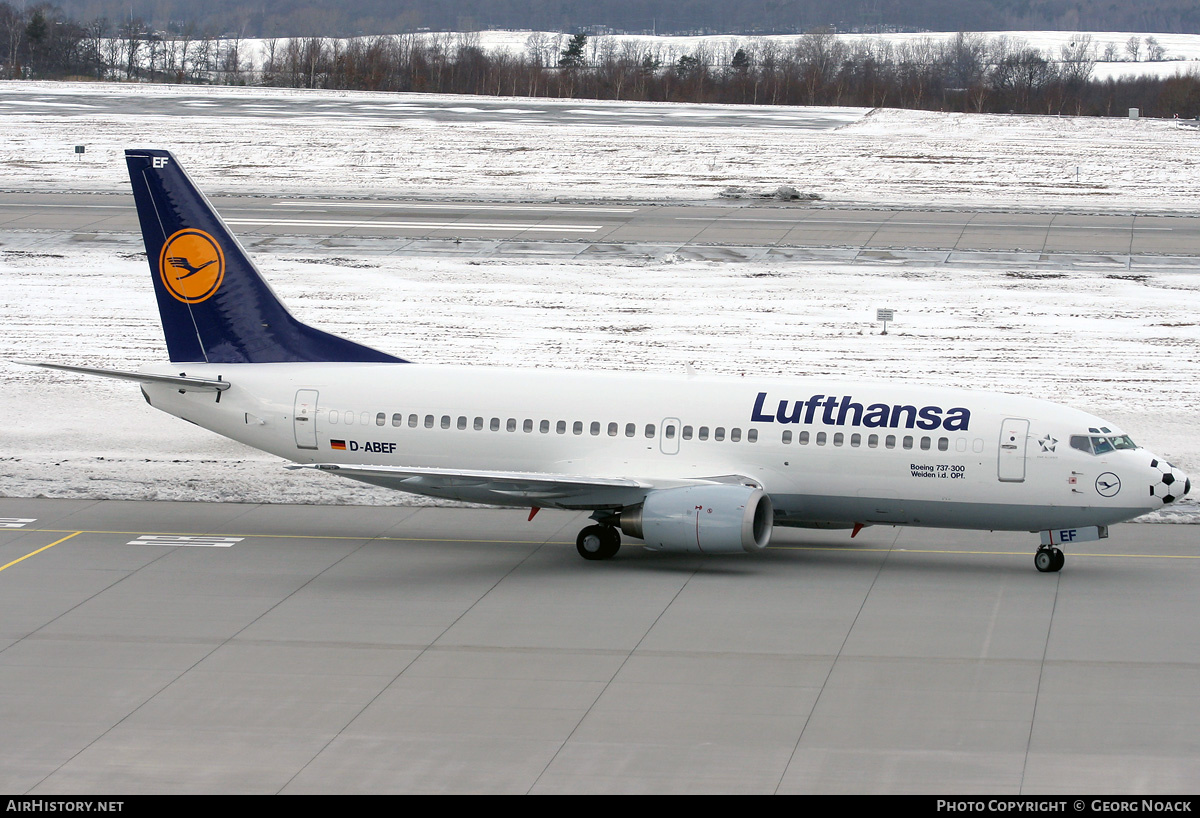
[1108, 484]
[191, 265]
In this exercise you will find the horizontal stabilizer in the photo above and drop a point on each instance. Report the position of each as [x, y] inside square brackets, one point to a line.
[182, 381]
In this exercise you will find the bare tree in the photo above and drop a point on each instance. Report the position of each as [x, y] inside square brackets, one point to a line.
[98, 33]
[132, 35]
[538, 49]
[818, 54]
[12, 28]
[1133, 47]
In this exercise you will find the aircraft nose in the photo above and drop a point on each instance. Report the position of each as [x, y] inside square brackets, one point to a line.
[1167, 483]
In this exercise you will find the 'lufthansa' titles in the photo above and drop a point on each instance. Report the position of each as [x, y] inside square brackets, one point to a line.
[844, 411]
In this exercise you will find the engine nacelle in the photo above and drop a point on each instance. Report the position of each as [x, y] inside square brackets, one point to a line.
[702, 519]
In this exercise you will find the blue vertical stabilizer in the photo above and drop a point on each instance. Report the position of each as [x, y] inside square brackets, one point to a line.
[214, 304]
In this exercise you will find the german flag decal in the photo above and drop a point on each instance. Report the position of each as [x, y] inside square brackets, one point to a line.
[340, 445]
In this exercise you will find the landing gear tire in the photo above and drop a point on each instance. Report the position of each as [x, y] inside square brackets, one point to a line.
[1049, 560]
[598, 542]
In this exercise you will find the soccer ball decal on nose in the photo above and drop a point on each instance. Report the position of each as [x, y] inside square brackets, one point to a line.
[1167, 488]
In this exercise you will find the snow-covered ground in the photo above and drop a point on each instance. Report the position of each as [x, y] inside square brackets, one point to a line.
[892, 156]
[1125, 346]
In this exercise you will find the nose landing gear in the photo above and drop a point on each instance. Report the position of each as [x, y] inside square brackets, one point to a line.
[1049, 559]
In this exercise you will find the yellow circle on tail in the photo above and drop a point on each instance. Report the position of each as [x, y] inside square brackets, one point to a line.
[191, 265]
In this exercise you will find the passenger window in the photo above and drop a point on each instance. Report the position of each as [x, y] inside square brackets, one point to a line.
[820, 438]
[687, 432]
[943, 444]
[381, 419]
[669, 431]
[494, 425]
[544, 427]
[752, 436]
[703, 434]
[889, 442]
[908, 441]
[511, 424]
[735, 435]
[577, 427]
[333, 417]
[649, 430]
[719, 433]
[612, 429]
[838, 438]
[873, 442]
[560, 427]
[527, 426]
[977, 445]
[787, 436]
[478, 424]
[364, 418]
[960, 444]
[925, 443]
[856, 440]
[595, 427]
[445, 421]
[630, 429]
[397, 419]
[803, 439]
[349, 418]
[462, 422]
[412, 421]
[429, 421]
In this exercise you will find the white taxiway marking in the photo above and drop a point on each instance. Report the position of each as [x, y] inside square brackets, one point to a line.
[207, 542]
[463, 206]
[888, 223]
[16, 522]
[62, 206]
[511, 226]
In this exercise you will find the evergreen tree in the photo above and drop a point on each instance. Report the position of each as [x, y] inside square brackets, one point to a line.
[572, 56]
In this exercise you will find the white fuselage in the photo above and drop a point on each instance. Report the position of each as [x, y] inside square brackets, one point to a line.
[826, 452]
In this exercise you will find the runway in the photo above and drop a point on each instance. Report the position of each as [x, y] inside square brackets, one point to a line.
[175, 647]
[249, 103]
[739, 230]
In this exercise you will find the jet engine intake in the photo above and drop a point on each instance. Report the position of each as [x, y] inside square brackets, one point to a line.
[702, 519]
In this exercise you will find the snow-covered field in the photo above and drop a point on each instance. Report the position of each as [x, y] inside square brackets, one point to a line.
[1125, 346]
[891, 156]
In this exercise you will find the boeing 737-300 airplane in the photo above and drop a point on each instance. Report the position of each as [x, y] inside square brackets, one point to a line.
[684, 463]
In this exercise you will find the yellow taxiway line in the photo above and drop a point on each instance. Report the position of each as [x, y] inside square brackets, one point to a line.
[40, 550]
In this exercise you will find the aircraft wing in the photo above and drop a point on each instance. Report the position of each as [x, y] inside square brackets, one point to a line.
[181, 381]
[510, 488]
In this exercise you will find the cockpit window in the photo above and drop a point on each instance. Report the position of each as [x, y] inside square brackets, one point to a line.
[1101, 444]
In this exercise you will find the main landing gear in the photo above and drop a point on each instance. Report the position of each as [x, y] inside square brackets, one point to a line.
[1049, 559]
[598, 542]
